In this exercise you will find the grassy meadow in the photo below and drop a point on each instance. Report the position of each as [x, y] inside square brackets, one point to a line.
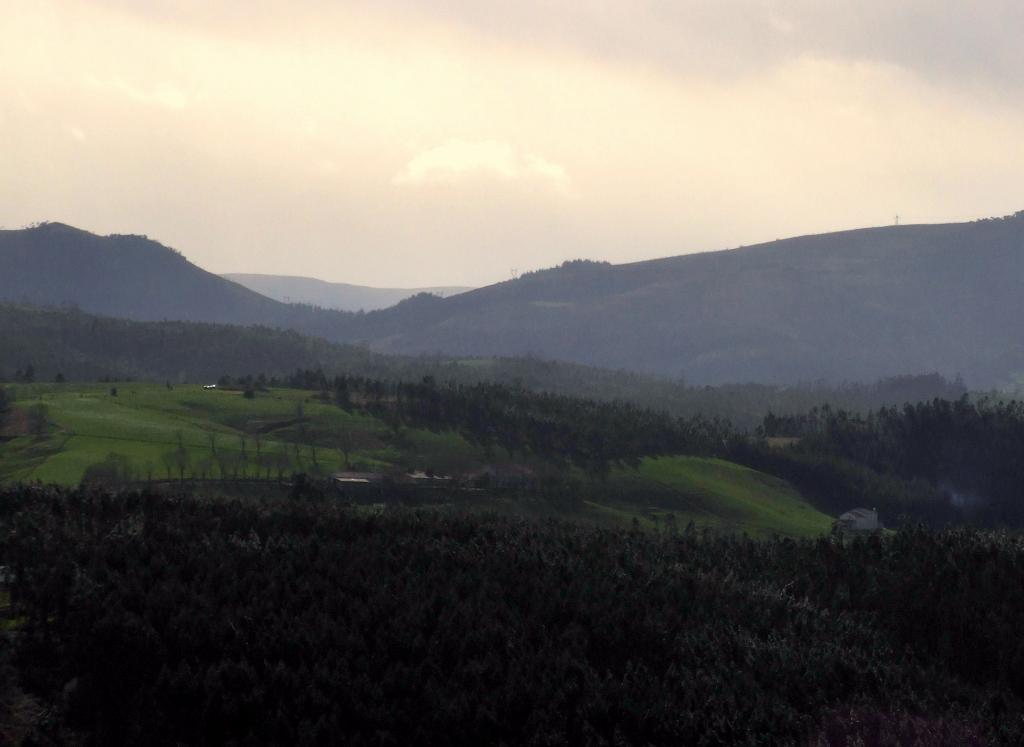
[162, 433]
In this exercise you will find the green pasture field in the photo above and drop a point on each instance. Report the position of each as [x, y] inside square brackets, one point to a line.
[716, 494]
[147, 423]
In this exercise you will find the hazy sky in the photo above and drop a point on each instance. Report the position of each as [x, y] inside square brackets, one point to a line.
[416, 143]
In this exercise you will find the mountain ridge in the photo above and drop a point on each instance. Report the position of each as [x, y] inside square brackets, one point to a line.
[853, 305]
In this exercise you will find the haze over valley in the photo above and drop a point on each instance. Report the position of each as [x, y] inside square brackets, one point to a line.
[339, 296]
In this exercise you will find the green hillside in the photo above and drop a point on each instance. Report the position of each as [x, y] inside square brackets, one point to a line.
[717, 494]
[163, 434]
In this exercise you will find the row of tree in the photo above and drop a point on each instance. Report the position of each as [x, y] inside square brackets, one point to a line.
[592, 435]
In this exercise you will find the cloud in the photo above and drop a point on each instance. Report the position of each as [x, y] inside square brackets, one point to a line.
[976, 41]
[940, 39]
[460, 160]
[76, 132]
[164, 95]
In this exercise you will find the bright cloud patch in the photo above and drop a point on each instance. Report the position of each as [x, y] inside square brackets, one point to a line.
[457, 160]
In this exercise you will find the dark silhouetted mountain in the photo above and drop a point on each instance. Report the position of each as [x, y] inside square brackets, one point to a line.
[125, 276]
[847, 306]
[341, 296]
[134, 277]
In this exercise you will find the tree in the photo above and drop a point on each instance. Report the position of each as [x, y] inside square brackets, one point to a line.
[348, 440]
[181, 461]
[264, 464]
[115, 469]
[168, 460]
[282, 463]
[38, 419]
[243, 457]
[224, 462]
[345, 443]
[341, 396]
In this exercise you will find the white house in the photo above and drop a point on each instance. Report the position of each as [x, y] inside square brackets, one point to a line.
[859, 520]
[357, 478]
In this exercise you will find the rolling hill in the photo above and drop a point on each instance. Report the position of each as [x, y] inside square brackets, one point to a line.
[146, 423]
[134, 277]
[339, 296]
[847, 306]
[120, 275]
[84, 347]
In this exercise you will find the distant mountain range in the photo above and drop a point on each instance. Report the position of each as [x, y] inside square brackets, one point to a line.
[339, 296]
[847, 306]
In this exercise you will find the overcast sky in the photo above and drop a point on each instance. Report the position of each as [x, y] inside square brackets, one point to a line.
[405, 143]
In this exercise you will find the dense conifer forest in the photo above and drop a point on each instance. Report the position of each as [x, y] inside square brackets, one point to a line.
[250, 616]
[154, 619]
[940, 461]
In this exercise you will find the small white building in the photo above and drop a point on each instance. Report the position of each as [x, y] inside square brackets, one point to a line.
[859, 520]
[357, 478]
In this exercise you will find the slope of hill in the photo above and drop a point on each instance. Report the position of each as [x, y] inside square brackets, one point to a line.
[125, 276]
[225, 435]
[340, 296]
[846, 306]
[85, 347]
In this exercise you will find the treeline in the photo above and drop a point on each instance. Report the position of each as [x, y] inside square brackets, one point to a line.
[942, 460]
[44, 344]
[149, 620]
[592, 435]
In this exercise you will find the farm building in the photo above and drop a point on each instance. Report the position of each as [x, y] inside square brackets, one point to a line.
[419, 477]
[357, 478]
[859, 520]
